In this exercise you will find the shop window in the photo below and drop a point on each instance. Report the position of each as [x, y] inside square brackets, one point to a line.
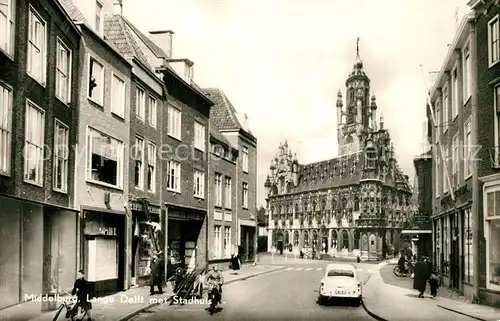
[492, 231]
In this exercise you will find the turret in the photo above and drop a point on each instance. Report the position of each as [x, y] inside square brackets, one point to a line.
[373, 111]
[381, 122]
[295, 170]
[339, 108]
[267, 186]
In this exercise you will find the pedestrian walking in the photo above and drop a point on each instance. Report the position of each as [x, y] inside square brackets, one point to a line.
[157, 270]
[235, 263]
[434, 283]
[421, 277]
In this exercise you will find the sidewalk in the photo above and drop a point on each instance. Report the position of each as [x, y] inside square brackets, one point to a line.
[389, 302]
[116, 307]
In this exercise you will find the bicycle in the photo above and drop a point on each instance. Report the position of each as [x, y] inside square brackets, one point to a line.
[71, 312]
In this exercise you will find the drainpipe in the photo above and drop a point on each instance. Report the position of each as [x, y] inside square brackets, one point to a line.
[207, 188]
[475, 165]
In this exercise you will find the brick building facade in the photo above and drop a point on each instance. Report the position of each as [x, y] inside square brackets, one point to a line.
[38, 108]
[451, 96]
[103, 153]
[234, 127]
[487, 27]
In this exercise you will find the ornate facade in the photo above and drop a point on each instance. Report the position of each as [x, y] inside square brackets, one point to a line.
[353, 205]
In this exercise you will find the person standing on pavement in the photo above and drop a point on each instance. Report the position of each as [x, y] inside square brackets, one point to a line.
[157, 270]
[422, 275]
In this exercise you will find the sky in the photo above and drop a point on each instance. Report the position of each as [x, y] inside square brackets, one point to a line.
[282, 63]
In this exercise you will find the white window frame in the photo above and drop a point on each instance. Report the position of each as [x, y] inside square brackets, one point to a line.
[445, 169]
[174, 125]
[467, 148]
[139, 146]
[227, 242]
[446, 109]
[496, 117]
[199, 184]
[140, 103]
[489, 187]
[8, 27]
[199, 136]
[466, 72]
[456, 160]
[99, 98]
[151, 162]
[244, 191]
[455, 95]
[41, 77]
[218, 241]
[438, 121]
[6, 107]
[438, 176]
[228, 197]
[118, 106]
[28, 125]
[64, 158]
[99, 29]
[119, 163]
[173, 180]
[218, 189]
[63, 76]
[244, 159]
[493, 25]
[152, 111]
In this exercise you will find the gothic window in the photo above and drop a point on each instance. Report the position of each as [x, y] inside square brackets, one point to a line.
[345, 239]
[334, 239]
[305, 207]
[334, 205]
[306, 239]
[371, 157]
[356, 239]
[356, 204]
[349, 139]
[296, 238]
[297, 209]
[344, 204]
[323, 205]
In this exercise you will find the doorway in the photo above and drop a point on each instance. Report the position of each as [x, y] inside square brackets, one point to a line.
[454, 253]
[324, 244]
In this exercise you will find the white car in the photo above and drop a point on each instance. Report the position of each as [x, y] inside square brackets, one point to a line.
[340, 281]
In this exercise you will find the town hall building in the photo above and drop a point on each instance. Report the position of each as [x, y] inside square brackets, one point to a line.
[353, 205]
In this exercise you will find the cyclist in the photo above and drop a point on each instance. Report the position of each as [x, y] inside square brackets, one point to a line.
[214, 281]
[81, 290]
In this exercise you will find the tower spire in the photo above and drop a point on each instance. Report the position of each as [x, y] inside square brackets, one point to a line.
[358, 64]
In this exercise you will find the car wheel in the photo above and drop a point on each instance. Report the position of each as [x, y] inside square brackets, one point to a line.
[321, 300]
[357, 302]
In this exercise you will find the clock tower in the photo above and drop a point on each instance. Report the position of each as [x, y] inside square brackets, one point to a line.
[357, 119]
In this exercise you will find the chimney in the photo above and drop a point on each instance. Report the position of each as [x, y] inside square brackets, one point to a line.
[118, 7]
[163, 39]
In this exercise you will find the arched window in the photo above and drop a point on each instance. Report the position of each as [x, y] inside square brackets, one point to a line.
[345, 239]
[334, 239]
[356, 204]
[356, 239]
[305, 207]
[306, 239]
[297, 209]
[334, 205]
[344, 203]
[296, 238]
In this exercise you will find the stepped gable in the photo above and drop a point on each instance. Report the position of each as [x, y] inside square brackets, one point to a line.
[336, 172]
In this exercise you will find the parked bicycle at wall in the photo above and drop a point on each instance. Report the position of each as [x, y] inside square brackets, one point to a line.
[410, 269]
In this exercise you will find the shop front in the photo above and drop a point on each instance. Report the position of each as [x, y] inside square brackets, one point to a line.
[104, 251]
[186, 237]
[143, 244]
[38, 252]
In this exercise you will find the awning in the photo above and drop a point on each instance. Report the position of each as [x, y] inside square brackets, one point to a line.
[416, 232]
